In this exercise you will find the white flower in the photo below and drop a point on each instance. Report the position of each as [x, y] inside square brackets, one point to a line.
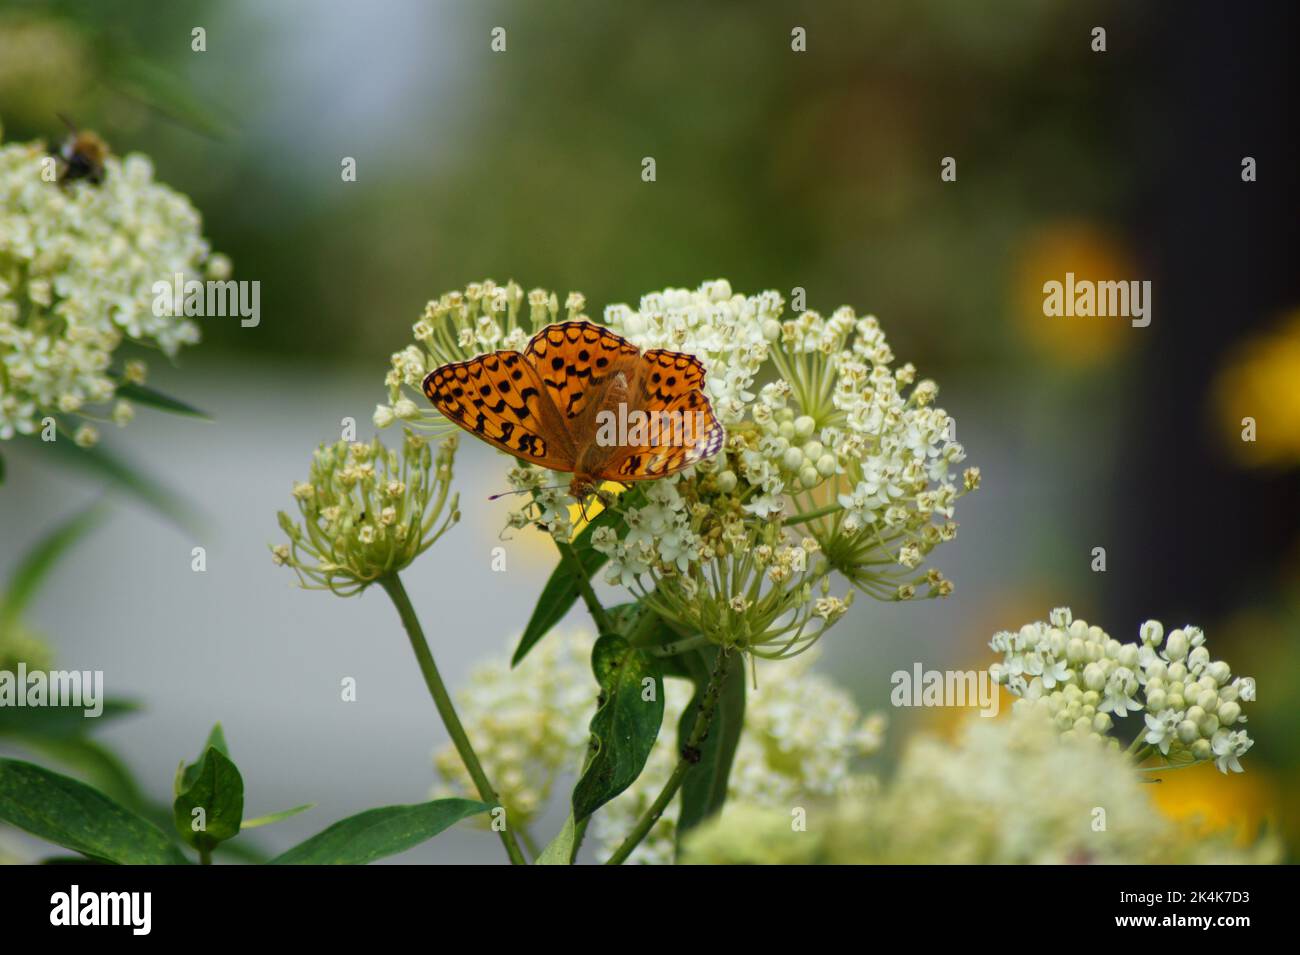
[1228, 747]
[1161, 728]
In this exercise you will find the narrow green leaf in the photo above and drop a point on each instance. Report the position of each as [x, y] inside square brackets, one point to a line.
[560, 849]
[58, 722]
[561, 590]
[144, 395]
[272, 817]
[36, 565]
[217, 790]
[705, 788]
[95, 763]
[377, 833]
[625, 726]
[167, 94]
[71, 814]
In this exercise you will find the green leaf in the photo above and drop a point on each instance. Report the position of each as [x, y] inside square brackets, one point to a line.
[625, 726]
[36, 565]
[217, 790]
[102, 463]
[377, 833]
[143, 395]
[95, 763]
[272, 817]
[561, 590]
[73, 815]
[705, 788]
[188, 773]
[2, 469]
[560, 849]
[57, 722]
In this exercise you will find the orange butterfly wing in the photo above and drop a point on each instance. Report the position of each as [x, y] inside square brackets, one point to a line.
[575, 361]
[672, 383]
[500, 398]
[541, 405]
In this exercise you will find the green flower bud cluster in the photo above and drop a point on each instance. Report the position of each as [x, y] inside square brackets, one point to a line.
[368, 511]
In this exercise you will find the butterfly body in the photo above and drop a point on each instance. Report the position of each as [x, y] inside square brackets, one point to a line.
[554, 403]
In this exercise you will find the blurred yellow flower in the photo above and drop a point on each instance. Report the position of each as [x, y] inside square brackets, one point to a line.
[1210, 802]
[1261, 381]
[1046, 254]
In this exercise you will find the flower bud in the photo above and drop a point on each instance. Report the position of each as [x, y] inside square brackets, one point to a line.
[1094, 677]
[1153, 632]
[1176, 646]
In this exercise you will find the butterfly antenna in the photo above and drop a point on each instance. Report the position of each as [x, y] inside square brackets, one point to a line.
[527, 490]
[497, 497]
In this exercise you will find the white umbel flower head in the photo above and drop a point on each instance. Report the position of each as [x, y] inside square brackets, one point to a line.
[1083, 679]
[78, 266]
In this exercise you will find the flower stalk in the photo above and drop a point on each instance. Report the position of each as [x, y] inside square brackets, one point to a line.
[392, 585]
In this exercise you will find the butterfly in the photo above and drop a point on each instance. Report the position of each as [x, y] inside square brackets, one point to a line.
[581, 399]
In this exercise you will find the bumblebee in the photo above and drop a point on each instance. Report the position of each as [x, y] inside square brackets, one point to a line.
[81, 156]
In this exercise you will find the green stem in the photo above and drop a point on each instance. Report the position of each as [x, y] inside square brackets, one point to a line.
[677, 646]
[812, 515]
[579, 833]
[392, 585]
[689, 757]
[1134, 746]
[603, 622]
[205, 856]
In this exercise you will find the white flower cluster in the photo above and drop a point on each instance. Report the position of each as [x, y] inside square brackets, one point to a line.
[728, 332]
[1009, 791]
[839, 463]
[528, 731]
[1082, 677]
[529, 725]
[841, 408]
[78, 263]
[838, 424]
